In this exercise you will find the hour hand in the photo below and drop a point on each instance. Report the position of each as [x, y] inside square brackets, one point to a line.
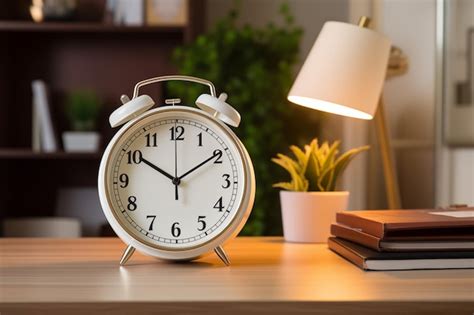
[156, 168]
[199, 165]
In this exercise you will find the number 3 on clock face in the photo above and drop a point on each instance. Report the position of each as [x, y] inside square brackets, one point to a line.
[175, 180]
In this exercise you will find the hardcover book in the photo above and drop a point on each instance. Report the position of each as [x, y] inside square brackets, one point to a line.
[400, 243]
[368, 259]
[434, 223]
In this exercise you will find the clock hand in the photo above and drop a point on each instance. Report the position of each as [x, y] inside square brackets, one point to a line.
[175, 181]
[156, 168]
[197, 166]
[176, 197]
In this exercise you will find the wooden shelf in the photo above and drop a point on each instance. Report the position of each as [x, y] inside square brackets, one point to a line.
[28, 154]
[84, 27]
[81, 54]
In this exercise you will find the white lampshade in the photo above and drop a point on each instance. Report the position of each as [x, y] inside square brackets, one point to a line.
[344, 72]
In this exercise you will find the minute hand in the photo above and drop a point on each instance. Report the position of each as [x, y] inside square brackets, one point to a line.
[198, 166]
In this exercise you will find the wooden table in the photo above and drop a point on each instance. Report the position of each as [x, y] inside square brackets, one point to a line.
[82, 275]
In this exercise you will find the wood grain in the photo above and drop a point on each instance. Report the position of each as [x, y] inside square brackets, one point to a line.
[79, 275]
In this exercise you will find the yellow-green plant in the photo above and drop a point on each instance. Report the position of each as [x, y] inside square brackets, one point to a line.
[317, 167]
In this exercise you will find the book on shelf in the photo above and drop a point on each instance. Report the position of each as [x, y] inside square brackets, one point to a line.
[43, 135]
[369, 259]
[126, 12]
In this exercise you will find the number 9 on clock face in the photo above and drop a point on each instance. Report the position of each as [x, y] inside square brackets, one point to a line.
[175, 179]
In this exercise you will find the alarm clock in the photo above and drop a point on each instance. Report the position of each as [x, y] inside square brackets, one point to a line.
[175, 182]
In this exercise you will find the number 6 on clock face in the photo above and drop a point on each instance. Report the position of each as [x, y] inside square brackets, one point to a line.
[177, 180]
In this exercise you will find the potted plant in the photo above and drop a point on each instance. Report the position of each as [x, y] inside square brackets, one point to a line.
[82, 110]
[257, 80]
[309, 202]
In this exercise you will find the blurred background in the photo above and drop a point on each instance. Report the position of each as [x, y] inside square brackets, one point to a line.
[65, 63]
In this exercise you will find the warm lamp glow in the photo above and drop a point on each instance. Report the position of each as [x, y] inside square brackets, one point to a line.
[329, 107]
[344, 71]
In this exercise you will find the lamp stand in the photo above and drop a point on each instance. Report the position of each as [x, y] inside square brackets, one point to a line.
[390, 175]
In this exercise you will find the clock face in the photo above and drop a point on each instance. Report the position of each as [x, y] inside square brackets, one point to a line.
[175, 179]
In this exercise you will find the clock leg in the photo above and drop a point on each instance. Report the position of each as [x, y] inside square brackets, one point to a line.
[222, 255]
[127, 254]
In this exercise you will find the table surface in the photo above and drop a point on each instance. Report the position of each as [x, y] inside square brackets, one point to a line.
[48, 271]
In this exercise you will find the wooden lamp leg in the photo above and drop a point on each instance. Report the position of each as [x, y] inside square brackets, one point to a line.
[390, 175]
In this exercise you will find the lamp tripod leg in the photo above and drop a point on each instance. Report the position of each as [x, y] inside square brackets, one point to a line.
[390, 175]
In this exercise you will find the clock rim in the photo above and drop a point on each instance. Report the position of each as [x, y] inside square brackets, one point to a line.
[229, 232]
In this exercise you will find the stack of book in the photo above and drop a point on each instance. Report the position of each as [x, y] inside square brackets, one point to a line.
[405, 239]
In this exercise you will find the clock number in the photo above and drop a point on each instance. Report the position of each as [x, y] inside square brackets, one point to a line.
[151, 140]
[124, 180]
[201, 220]
[177, 133]
[219, 205]
[227, 181]
[175, 230]
[199, 139]
[134, 157]
[152, 217]
[218, 153]
[132, 203]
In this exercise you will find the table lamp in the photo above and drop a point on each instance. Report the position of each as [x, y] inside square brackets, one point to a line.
[344, 74]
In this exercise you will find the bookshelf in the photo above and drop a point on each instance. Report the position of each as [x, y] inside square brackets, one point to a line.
[84, 53]
[85, 27]
[28, 154]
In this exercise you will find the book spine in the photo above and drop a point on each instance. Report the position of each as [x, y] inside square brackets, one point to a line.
[356, 236]
[347, 254]
[40, 100]
[370, 227]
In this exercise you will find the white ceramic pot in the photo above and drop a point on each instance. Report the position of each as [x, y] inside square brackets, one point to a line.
[307, 216]
[79, 141]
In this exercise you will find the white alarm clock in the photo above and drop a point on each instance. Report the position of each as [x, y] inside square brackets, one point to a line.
[175, 182]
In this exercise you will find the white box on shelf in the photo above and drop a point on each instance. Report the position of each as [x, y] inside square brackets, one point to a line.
[78, 141]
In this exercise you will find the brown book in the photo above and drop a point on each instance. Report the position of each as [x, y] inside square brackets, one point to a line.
[411, 223]
[402, 244]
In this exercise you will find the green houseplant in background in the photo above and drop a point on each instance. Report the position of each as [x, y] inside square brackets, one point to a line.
[309, 201]
[255, 68]
[82, 111]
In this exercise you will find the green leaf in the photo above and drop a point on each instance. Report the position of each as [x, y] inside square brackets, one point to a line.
[288, 166]
[327, 175]
[289, 160]
[300, 155]
[312, 172]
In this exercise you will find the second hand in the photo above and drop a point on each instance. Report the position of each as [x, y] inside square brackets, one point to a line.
[176, 196]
